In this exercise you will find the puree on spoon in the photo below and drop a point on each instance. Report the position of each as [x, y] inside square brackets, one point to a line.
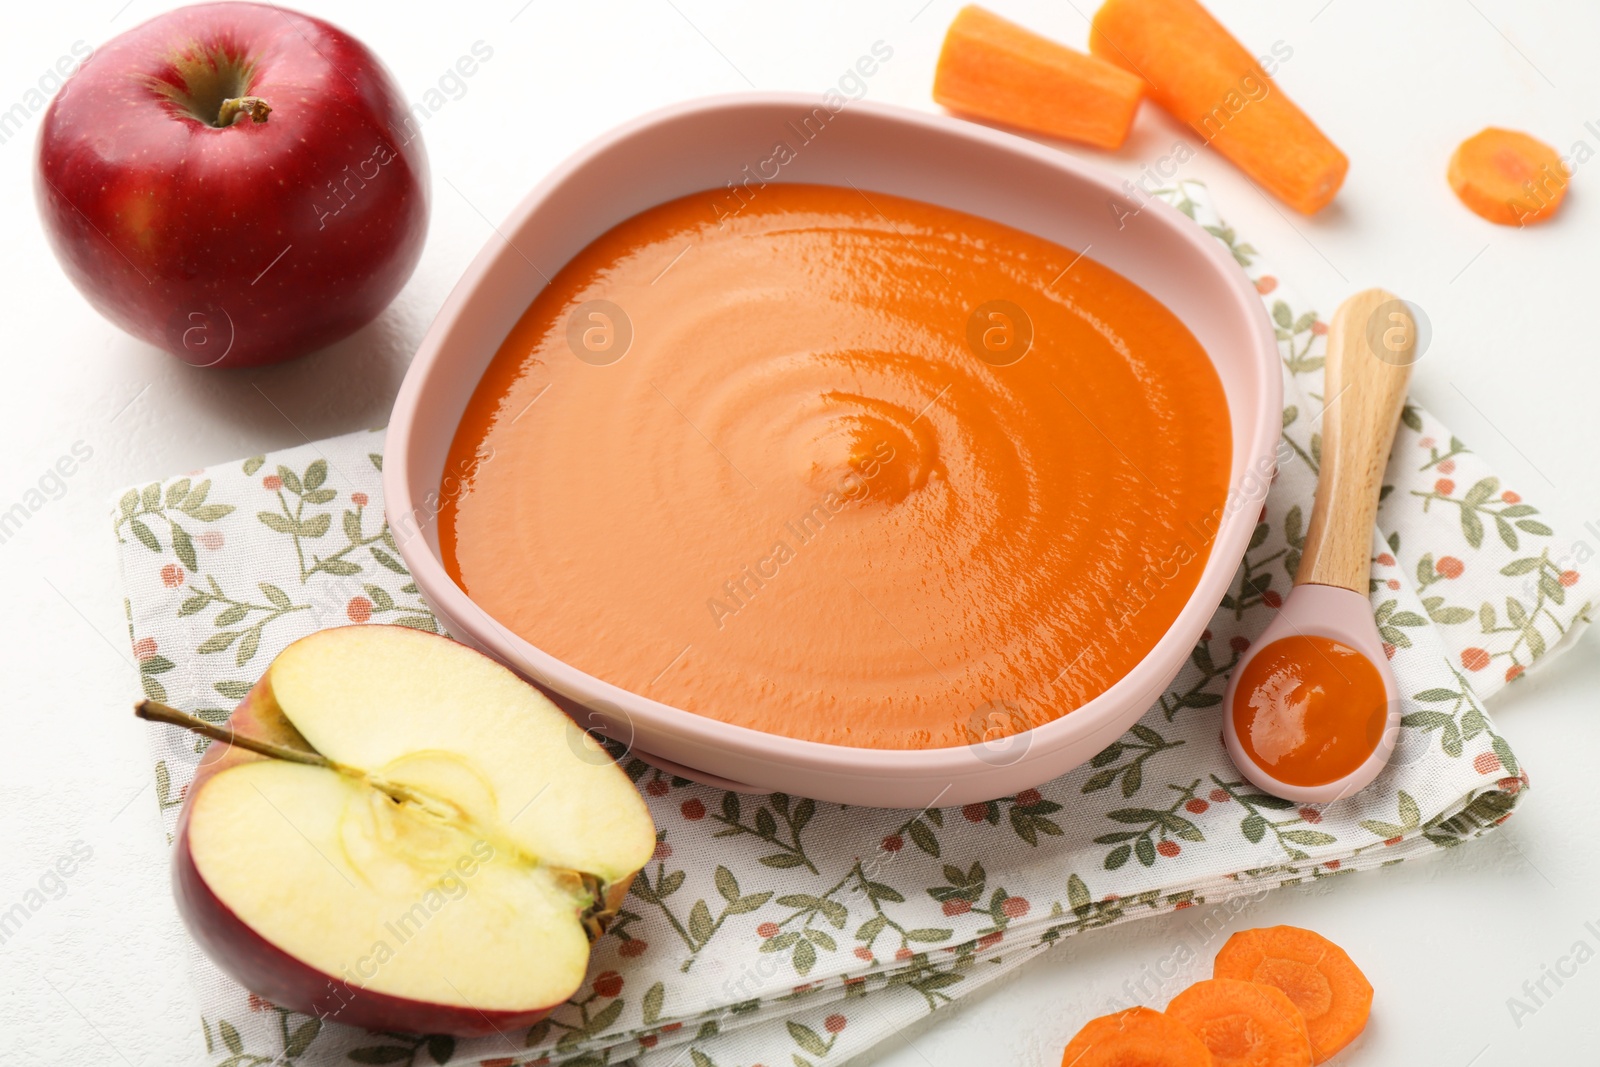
[840, 466]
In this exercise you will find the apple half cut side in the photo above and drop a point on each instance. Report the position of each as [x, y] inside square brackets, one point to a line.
[401, 834]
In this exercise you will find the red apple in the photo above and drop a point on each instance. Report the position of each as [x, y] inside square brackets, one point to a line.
[235, 183]
[398, 833]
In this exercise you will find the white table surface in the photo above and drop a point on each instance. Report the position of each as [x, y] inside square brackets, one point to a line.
[97, 976]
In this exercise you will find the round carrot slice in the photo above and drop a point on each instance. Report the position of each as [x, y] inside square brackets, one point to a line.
[1317, 976]
[1138, 1037]
[1508, 177]
[1244, 1024]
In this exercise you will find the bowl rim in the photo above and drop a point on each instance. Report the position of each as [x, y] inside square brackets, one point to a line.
[1151, 672]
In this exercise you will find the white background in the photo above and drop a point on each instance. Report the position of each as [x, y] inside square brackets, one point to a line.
[98, 976]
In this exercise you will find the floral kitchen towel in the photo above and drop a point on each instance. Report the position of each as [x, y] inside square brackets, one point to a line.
[773, 929]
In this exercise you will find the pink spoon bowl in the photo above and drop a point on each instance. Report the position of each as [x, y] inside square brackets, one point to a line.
[1342, 616]
[707, 144]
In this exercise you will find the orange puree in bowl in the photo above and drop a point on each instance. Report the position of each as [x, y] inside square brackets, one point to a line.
[841, 466]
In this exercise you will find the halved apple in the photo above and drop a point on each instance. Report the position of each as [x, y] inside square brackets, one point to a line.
[400, 834]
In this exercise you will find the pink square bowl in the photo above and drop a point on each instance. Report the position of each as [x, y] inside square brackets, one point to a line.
[706, 144]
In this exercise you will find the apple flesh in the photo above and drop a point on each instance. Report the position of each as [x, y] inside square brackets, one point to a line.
[235, 183]
[439, 862]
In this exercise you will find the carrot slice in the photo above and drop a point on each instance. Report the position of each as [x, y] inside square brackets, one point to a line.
[1317, 976]
[1244, 1024]
[1197, 71]
[1508, 177]
[996, 70]
[1138, 1037]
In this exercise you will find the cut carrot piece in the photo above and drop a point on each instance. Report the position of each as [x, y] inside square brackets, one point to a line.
[1317, 975]
[1244, 1024]
[996, 70]
[1138, 1037]
[1508, 177]
[1197, 71]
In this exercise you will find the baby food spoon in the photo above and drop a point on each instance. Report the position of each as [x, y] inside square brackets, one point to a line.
[1311, 712]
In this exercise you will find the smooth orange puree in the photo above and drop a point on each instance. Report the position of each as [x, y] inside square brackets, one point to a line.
[1310, 709]
[798, 471]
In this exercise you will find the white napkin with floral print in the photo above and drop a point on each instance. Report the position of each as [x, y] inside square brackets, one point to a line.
[771, 928]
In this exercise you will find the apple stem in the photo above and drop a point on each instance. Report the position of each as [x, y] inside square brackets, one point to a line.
[155, 711]
[257, 108]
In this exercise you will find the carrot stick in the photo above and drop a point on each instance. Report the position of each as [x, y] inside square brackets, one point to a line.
[1244, 1024]
[1197, 71]
[996, 70]
[1317, 975]
[1140, 1036]
[1508, 177]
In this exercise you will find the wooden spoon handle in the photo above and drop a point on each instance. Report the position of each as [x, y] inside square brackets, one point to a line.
[1371, 346]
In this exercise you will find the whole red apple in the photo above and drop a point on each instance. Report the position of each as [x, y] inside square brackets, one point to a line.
[234, 182]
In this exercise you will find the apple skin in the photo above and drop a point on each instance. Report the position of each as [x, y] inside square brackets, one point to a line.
[273, 974]
[172, 228]
[269, 972]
